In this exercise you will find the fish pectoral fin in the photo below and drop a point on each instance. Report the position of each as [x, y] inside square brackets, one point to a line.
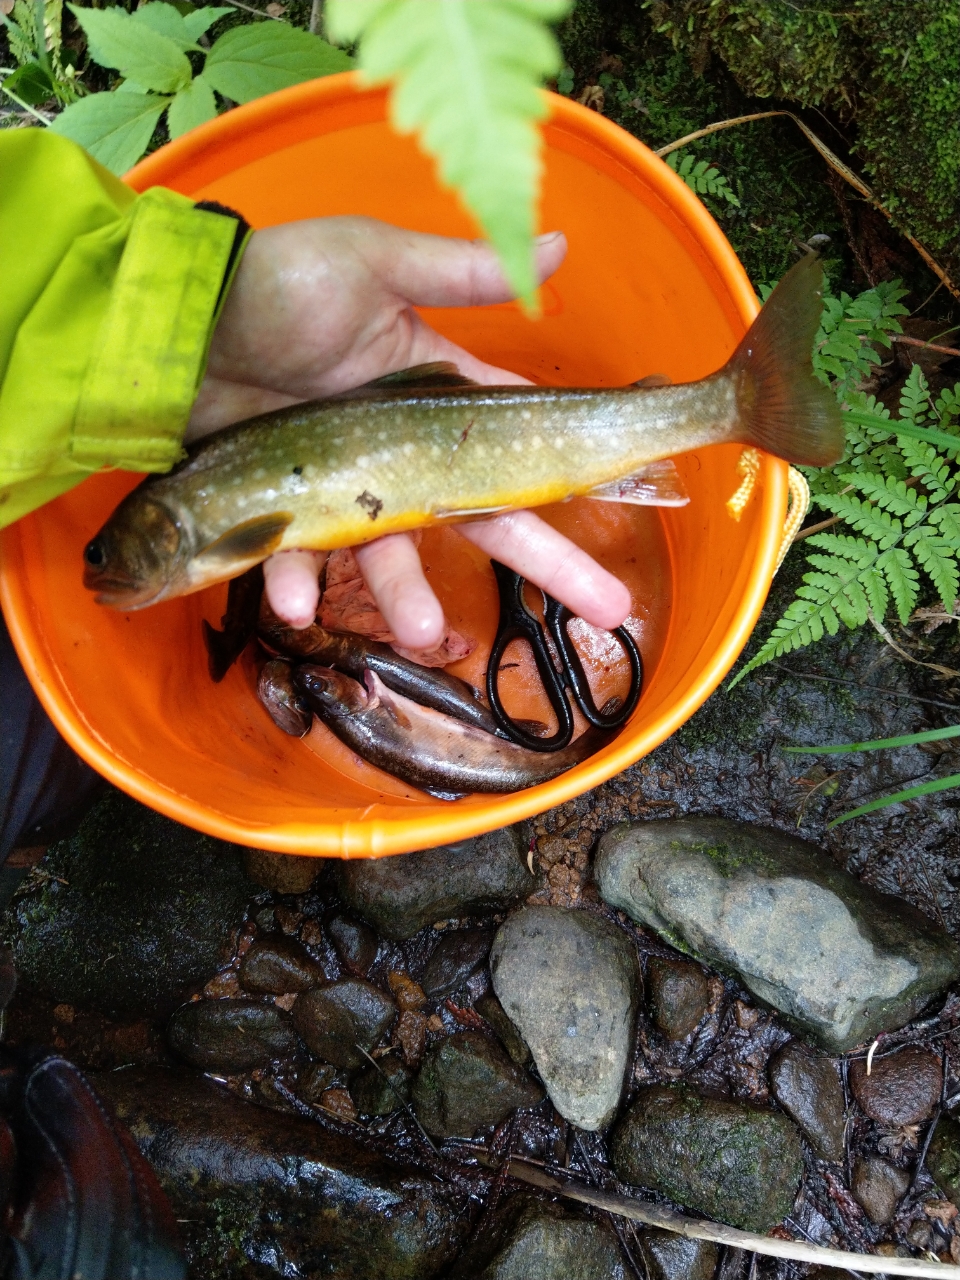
[656, 485]
[654, 380]
[438, 373]
[251, 541]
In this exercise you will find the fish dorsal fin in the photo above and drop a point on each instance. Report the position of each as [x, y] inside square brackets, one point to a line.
[251, 541]
[656, 485]
[654, 380]
[439, 373]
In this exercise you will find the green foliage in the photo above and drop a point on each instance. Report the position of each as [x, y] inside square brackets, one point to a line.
[46, 70]
[701, 178]
[466, 76]
[894, 67]
[895, 491]
[149, 48]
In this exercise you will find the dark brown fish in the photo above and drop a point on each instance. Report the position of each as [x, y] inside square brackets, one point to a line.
[426, 748]
[354, 654]
[283, 704]
[239, 623]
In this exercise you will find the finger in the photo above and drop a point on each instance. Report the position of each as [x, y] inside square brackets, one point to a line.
[436, 271]
[552, 562]
[392, 570]
[291, 580]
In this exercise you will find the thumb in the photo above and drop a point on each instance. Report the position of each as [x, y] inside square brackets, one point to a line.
[436, 271]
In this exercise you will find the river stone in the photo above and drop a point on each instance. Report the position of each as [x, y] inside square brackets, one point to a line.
[467, 1082]
[902, 1088]
[531, 1240]
[278, 965]
[840, 961]
[262, 1193]
[456, 956]
[878, 1188]
[490, 1008]
[333, 1020]
[137, 912]
[724, 1160]
[672, 1257]
[808, 1088]
[290, 873]
[568, 980]
[378, 1092]
[678, 996]
[230, 1036]
[402, 894]
[943, 1158]
[356, 944]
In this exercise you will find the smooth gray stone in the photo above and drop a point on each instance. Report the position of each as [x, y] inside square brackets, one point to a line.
[569, 982]
[808, 1088]
[878, 1188]
[333, 1020]
[231, 1036]
[467, 1082]
[678, 996]
[724, 1160]
[399, 896]
[840, 961]
[672, 1257]
[261, 1193]
[537, 1241]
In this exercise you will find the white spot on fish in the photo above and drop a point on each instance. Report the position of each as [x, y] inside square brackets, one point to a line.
[516, 446]
[363, 461]
[536, 442]
[526, 415]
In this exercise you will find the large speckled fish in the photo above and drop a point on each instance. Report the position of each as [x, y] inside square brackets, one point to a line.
[412, 450]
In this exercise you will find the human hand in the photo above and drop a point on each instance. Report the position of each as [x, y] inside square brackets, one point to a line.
[327, 304]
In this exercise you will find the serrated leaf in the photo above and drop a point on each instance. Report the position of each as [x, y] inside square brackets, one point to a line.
[202, 20]
[467, 74]
[116, 39]
[168, 21]
[192, 106]
[248, 62]
[114, 127]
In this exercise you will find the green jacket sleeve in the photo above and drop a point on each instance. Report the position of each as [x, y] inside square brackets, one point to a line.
[106, 310]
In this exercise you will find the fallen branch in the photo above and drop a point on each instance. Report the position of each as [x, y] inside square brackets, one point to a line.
[655, 1215]
[835, 163]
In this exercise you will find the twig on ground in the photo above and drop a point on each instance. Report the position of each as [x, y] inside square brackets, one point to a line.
[874, 688]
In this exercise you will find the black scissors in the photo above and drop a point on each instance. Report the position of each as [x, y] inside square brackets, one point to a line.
[517, 622]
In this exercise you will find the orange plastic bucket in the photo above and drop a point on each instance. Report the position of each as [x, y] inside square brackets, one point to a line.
[650, 285]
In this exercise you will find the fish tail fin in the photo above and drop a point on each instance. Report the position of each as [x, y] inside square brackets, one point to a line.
[782, 406]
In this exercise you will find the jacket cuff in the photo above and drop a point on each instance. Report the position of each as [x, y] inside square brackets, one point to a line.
[150, 352]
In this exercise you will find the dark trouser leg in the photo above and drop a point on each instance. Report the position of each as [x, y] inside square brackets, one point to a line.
[45, 788]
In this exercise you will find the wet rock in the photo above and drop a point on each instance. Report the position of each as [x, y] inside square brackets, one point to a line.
[355, 943]
[943, 1158]
[410, 1036]
[902, 1087]
[262, 1193]
[137, 912]
[230, 1036]
[400, 895]
[672, 1257]
[467, 1082]
[809, 1089]
[340, 1103]
[333, 1020]
[377, 1093]
[725, 1160]
[409, 995]
[678, 995]
[878, 1188]
[455, 958]
[490, 1008]
[568, 981]
[277, 965]
[839, 960]
[533, 1239]
[314, 1080]
[281, 872]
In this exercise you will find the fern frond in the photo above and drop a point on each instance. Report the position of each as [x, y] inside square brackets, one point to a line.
[902, 579]
[937, 559]
[701, 178]
[877, 524]
[915, 402]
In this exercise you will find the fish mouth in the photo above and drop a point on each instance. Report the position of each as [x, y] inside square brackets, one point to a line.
[122, 593]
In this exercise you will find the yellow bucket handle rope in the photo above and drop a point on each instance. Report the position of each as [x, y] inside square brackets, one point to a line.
[799, 498]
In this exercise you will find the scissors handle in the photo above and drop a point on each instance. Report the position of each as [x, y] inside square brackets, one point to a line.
[557, 616]
[518, 623]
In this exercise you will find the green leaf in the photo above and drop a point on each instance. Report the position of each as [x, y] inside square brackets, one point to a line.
[202, 20]
[114, 127]
[467, 76]
[192, 106]
[879, 744]
[248, 62]
[911, 793]
[168, 21]
[31, 83]
[137, 51]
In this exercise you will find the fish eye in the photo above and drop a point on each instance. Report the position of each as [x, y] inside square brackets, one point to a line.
[94, 554]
